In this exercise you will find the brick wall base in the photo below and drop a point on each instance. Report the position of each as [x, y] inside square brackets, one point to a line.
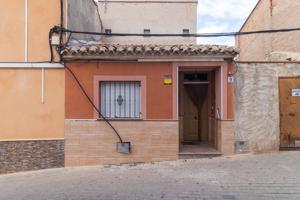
[225, 137]
[16, 156]
[90, 142]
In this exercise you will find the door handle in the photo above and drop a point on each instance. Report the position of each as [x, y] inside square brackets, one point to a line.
[292, 114]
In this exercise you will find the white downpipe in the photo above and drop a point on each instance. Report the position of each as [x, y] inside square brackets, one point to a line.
[26, 32]
[43, 85]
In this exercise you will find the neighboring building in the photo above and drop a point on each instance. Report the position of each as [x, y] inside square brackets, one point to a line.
[32, 94]
[167, 96]
[267, 106]
[267, 83]
[271, 14]
[130, 16]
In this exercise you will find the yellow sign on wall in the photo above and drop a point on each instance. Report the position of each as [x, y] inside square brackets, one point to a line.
[168, 80]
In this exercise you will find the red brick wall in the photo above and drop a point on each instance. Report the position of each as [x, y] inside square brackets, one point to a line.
[91, 142]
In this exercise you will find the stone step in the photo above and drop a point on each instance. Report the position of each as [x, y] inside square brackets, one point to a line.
[199, 155]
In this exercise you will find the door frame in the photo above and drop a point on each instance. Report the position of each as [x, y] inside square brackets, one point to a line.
[182, 90]
[221, 81]
[282, 148]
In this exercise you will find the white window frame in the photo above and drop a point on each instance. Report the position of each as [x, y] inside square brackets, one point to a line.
[129, 110]
[143, 92]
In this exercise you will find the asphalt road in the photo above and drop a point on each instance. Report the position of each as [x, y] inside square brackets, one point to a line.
[265, 176]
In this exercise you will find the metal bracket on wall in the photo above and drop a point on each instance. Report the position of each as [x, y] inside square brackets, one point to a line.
[123, 147]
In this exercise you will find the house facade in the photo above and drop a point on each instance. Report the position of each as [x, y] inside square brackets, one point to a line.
[159, 98]
[167, 96]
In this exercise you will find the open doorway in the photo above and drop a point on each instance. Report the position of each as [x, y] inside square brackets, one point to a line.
[197, 102]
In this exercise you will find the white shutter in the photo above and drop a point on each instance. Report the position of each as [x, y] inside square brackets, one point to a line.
[120, 99]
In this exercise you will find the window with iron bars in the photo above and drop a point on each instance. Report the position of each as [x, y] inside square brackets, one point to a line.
[120, 99]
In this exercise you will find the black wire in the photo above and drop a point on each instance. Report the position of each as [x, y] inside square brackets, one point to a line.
[236, 68]
[50, 45]
[92, 103]
[61, 29]
[184, 35]
[68, 40]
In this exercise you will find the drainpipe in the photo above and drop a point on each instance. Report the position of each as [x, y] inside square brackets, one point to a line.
[43, 86]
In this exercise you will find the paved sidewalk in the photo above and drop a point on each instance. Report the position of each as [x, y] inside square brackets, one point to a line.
[266, 176]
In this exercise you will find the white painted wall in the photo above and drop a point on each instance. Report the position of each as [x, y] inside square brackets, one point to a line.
[160, 17]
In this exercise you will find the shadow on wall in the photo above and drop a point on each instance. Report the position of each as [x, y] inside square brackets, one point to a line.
[84, 16]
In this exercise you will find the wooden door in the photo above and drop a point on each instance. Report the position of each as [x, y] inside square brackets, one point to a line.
[190, 119]
[289, 89]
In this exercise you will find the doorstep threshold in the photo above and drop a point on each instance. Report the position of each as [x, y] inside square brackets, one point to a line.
[199, 153]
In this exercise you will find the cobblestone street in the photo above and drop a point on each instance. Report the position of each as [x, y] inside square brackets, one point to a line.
[265, 176]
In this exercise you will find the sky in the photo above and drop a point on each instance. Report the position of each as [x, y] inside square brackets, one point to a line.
[216, 16]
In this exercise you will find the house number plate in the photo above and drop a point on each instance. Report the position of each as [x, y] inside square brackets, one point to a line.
[296, 92]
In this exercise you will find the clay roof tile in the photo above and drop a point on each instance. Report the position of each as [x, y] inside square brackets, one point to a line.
[150, 50]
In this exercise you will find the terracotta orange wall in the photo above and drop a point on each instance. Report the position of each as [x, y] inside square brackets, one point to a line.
[159, 96]
[12, 31]
[23, 116]
[42, 15]
[230, 93]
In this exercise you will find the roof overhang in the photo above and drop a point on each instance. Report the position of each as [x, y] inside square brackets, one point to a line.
[147, 59]
[149, 53]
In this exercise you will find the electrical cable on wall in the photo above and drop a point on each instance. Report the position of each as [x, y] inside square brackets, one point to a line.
[198, 35]
[92, 103]
[236, 68]
[60, 31]
[50, 45]
[62, 27]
